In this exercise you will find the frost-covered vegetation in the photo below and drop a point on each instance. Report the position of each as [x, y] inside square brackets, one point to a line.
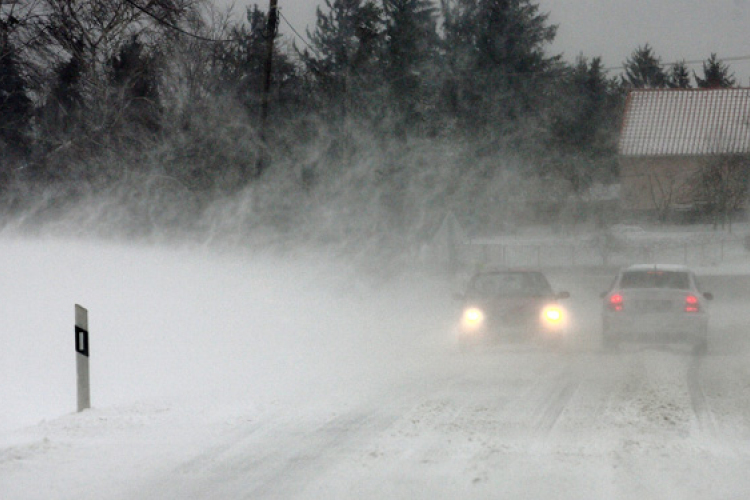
[143, 119]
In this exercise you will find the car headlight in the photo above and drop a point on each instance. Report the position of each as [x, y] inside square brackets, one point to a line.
[472, 318]
[553, 315]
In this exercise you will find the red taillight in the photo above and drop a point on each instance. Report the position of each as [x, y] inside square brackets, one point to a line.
[615, 302]
[691, 304]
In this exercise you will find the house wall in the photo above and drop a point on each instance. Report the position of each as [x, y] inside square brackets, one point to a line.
[653, 184]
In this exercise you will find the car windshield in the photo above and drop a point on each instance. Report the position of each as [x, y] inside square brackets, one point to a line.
[655, 279]
[510, 284]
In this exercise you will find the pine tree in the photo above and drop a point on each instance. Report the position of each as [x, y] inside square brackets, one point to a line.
[496, 58]
[346, 45]
[715, 74]
[410, 49]
[66, 104]
[240, 67]
[134, 75]
[679, 77]
[15, 106]
[643, 69]
[585, 125]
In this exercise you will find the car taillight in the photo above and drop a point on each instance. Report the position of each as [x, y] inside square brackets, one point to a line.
[691, 304]
[615, 302]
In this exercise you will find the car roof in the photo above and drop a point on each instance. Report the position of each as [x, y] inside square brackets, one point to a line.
[508, 271]
[658, 267]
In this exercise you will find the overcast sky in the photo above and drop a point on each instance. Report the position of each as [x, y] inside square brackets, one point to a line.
[676, 29]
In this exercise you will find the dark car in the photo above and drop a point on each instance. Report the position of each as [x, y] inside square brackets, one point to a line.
[507, 305]
[655, 303]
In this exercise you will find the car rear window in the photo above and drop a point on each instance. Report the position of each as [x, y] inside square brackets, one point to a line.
[655, 279]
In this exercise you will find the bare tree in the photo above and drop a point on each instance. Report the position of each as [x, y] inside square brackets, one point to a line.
[89, 57]
[666, 186]
[721, 185]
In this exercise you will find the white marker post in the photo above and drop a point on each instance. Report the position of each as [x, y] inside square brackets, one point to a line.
[82, 358]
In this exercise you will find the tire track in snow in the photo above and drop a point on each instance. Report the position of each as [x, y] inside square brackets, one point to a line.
[285, 474]
[340, 439]
[550, 406]
[701, 409]
[533, 413]
[271, 459]
[284, 457]
[280, 457]
[438, 404]
[550, 411]
[218, 452]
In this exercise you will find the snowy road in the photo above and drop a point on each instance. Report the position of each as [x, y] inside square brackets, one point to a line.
[396, 412]
[514, 423]
[510, 424]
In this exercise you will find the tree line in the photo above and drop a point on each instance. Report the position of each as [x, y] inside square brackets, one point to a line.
[387, 110]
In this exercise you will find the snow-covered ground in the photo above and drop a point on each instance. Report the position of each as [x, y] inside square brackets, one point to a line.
[238, 375]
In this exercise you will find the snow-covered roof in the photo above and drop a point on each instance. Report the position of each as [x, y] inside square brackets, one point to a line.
[686, 122]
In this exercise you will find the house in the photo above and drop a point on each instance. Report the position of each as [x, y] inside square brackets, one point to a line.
[671, 137]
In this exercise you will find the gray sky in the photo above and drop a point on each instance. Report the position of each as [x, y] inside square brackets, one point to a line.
[676, 29]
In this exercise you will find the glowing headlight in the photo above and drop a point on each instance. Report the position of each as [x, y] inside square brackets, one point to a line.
[473, 317]
[552, 314]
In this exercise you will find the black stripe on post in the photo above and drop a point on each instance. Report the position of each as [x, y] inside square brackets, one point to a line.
[82, 341]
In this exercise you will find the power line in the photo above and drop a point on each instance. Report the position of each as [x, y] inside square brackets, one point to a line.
[303, 40]
[613, 68]
[308, 45]
[688, 63]
[297, 33]
[213, 40]
[175, 27]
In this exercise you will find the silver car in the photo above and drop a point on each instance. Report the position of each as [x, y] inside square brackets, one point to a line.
[656, 303]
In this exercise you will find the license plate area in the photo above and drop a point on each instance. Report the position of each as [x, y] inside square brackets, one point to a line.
[653, 306]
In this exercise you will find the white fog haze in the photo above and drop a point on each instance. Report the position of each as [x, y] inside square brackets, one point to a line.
[204, 327]
[221, 372]
[279, 250]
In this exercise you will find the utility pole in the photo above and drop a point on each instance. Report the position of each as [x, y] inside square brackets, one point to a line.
[273, 17]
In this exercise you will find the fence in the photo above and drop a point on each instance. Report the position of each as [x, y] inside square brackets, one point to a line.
[694, 251]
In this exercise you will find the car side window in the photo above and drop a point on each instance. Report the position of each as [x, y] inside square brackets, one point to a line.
[540, 284]
[680, 281]
[613, 283]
